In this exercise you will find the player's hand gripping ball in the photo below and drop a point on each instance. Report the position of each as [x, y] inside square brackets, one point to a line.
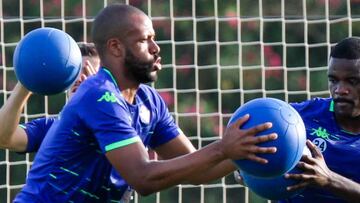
[47, 61]
[274, 188]
[290, 143]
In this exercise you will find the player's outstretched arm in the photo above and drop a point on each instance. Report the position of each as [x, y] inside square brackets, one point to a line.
[147, 176]
[181, 145]
[12, 136]
[317, 174]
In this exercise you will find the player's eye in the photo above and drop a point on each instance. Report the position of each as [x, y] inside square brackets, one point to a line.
[332, 80]
[354, 81]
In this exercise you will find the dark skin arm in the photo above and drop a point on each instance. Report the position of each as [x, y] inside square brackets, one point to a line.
[148, 176]
[181, 146]
[317, 174]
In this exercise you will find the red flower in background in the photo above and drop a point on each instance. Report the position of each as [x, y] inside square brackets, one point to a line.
[272, 59]
[185, 61]
[164, 26]
[334, 4]
[168, 98]
[252, 25]
[232, 19]
[301, 82]
[190, 109]
[78, 10]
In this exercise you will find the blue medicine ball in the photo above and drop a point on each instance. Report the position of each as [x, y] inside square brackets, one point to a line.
[290, 143]
[47, 61]
[273, 188]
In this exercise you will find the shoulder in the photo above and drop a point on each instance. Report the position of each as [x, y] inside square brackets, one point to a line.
[96, 89]
[146, 89]
[149, 93]
[313, 106]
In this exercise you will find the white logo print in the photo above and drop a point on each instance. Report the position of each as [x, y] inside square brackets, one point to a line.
[144, 114]
[320, 143]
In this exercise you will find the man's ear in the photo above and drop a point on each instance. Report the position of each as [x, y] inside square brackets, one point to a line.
[115, 47]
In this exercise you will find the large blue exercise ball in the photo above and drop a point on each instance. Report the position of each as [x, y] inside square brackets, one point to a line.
[47, 61]
[290, 143]
[274, 188]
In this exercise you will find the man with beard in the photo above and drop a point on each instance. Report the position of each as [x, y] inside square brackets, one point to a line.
[113, 117]
[333, 125]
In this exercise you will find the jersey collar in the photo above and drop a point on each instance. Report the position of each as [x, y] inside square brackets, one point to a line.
[111, 76]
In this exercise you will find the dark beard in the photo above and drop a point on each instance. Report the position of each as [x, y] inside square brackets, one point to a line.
[139, 70]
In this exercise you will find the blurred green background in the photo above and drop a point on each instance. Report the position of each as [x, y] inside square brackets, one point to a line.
[216, 55]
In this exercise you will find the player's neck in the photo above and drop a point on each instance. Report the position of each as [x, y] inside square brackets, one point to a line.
[349, 124]
[129, 95]
[127, 86]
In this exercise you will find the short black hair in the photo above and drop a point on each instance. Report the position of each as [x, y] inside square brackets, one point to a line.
[88, 49]
[348, 48]
[112, 22]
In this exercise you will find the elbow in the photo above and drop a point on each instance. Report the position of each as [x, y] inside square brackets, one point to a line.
[145, 190]
[4, 144]
[195, 182]
[146, 186]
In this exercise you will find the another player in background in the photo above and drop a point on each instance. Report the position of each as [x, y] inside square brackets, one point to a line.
[28, 137]
[90, 61]
[332, 124]
[113, 117]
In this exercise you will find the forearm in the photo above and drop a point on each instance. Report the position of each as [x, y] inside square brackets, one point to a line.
[10, 114]
[181, 146]
[188, 168]
[153, 176]
[344, 188]
[215, 172]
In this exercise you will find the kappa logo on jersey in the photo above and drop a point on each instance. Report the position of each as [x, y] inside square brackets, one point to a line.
[322, 137]
[108, 97]
[144, 114]
[322, 133]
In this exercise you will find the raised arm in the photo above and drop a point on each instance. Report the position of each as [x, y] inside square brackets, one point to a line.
[12, 136]
[317, 174]
[148, 176]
